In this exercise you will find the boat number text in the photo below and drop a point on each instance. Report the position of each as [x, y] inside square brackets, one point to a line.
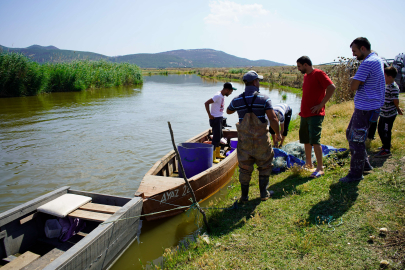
[174, 194]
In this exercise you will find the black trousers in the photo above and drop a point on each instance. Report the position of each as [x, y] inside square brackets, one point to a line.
[216, 125]
[287, 119]
[384, 130]
[372, 130]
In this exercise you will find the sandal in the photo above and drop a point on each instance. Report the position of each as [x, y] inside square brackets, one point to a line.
[316, 174]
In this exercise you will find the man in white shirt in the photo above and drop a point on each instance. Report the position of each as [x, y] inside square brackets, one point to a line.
[216, 116]
[283, 113]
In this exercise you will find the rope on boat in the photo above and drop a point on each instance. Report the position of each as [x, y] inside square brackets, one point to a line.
[191, 207]
[181, 207]
[234, 206]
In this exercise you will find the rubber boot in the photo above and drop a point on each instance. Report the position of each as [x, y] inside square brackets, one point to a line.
[263, 182]
[215, 160]
[245, 193]
[218, 151]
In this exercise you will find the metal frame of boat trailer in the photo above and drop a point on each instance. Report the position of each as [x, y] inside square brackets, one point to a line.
[161, 188]
[22, 230]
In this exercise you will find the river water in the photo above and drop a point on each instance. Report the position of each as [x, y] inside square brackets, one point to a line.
[104, 141]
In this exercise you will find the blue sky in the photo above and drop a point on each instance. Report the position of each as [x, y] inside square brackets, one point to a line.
[280, 31]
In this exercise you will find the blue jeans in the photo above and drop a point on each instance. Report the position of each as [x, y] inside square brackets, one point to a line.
[356, 135]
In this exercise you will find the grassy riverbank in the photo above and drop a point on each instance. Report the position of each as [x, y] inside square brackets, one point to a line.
[290, 230]
[19, 76]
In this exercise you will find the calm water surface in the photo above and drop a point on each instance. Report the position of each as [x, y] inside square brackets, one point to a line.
[104, 141]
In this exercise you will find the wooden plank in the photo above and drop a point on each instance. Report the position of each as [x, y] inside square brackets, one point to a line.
[102, 208]
[21, 261]
[28, 218]
[170, 165]
[139, 194]
[152, 184]
[82, 234]
[3, 234]
[88, 215]
[44, 260]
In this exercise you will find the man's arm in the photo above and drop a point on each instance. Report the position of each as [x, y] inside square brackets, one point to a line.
[329, 92]
[274, 124]
[281, 133]
[361, 75]
[396, 103]
[354, 84]
[207, 107]
[228, 111]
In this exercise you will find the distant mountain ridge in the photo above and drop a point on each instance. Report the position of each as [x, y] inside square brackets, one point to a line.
[171, 59]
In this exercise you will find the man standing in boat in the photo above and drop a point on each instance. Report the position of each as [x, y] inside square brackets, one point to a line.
[254, 144]
[216, 117]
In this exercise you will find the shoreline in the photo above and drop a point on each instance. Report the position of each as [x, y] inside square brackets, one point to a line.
[310, 223]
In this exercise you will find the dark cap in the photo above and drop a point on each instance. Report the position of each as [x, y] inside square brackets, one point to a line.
[251, 76]
[228, 85]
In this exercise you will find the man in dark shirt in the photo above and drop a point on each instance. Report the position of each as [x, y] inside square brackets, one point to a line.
[254, 144]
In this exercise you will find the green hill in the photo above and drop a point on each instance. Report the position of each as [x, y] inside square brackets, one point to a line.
[41, 54]
[178, 58]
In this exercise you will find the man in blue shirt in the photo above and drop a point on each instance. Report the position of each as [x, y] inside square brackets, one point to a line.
[370, 85]
[254, 145]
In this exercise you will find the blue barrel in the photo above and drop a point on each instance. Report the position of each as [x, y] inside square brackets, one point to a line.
[195, 157]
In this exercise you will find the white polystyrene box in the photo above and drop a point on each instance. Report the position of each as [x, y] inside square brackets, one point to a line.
[64, 205]
[52, 228]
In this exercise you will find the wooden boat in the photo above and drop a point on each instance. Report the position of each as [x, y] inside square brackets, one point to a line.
[96, 247]
[162, 188]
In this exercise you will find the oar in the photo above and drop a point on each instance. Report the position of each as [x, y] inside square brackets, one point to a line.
[186, 180]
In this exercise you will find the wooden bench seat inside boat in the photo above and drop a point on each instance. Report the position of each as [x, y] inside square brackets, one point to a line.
[94, 212]
[152, 184]
[21, 261]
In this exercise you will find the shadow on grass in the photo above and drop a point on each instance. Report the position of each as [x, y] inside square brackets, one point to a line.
[287, 186]
[377, 162]
[342, 196]
[224, 222]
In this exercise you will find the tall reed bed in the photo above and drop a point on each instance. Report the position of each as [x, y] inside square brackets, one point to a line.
[20, 76]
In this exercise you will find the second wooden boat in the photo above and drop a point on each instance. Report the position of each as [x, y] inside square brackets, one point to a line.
[163, 190]
[110, 229]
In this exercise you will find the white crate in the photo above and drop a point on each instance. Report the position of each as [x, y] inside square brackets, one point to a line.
[52, 228]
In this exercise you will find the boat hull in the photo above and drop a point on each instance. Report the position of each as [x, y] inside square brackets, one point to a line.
[96, 250]
[162, 193]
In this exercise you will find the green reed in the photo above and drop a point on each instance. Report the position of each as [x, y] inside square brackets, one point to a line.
[238, 71]
[19, 76]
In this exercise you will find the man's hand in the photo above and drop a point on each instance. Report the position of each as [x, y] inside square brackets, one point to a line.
[317, 108]
[278, 138]
[400, 111]
[211, 117]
